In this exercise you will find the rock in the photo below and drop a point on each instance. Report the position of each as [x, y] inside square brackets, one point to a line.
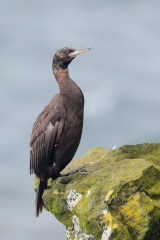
[109, 194]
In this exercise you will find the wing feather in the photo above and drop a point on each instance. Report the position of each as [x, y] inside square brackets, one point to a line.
[46, 133]
[42, 149]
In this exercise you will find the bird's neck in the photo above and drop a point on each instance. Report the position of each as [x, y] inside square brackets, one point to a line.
[65, 83]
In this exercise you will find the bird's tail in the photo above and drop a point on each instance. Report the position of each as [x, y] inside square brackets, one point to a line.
[39, 201]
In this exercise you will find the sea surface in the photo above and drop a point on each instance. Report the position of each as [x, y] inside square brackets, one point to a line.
[120, 79]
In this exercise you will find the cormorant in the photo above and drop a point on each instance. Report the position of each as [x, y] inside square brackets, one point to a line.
[57, 131]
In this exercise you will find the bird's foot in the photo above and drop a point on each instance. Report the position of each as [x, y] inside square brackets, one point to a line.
[55, 177]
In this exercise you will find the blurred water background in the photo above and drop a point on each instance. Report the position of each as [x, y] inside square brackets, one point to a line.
[120, 78]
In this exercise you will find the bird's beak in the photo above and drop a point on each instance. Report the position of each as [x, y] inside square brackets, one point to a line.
[76, 52]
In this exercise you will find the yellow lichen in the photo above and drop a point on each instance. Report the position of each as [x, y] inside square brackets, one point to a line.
[108, 219]
[115, 226]
[108, 195]
[134, 214]
[56, 191]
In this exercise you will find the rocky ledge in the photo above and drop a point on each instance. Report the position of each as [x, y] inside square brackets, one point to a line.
[109, 194]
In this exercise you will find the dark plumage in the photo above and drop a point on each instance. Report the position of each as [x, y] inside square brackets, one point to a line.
[57, 131]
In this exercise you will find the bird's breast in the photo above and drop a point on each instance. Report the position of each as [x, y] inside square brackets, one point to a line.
[70, 137]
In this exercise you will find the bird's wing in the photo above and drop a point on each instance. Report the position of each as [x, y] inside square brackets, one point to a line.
[45, 135]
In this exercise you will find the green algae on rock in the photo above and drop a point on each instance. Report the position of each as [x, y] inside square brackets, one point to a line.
[112, 194]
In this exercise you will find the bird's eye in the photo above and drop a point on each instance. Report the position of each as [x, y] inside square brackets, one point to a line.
[70, 52]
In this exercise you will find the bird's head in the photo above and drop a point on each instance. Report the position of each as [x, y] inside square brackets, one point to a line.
[64, 56]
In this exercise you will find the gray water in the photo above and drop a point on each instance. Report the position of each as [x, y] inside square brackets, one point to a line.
[120, 78]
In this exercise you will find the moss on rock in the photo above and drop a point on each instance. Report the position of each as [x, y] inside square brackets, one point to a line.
[113, 194]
